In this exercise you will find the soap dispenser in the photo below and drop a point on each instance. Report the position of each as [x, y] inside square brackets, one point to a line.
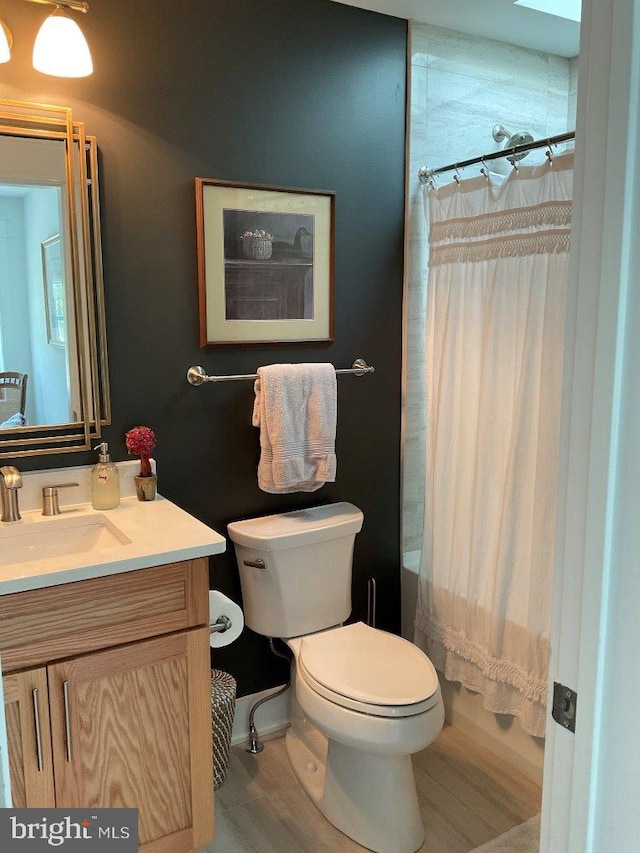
[105, 481]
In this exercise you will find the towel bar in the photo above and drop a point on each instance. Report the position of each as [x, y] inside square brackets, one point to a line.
[197, 375]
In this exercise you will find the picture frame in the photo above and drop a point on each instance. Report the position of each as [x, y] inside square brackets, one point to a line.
[54, 291]
[265, 263]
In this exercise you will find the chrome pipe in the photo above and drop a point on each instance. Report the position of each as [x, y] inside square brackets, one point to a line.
[255, 745]
[372, 604]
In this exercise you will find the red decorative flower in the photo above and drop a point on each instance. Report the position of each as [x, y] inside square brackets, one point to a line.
[141, 441]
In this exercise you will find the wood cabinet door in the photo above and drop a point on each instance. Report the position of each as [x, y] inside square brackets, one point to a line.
[132, 729]
[29, 739]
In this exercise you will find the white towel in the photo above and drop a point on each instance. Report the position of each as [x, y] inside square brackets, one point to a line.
[295, 409]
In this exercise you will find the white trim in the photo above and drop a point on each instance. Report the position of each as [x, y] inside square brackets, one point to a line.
[600, 280]
[270, 717]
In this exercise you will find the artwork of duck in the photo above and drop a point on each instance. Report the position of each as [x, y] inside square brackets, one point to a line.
[302, 245]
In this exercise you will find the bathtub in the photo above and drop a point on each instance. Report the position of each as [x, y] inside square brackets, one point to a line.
[500, 733]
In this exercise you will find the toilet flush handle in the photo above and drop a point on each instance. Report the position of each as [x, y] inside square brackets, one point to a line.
[255, 564]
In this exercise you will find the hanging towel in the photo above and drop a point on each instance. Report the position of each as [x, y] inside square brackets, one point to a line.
[295, 409]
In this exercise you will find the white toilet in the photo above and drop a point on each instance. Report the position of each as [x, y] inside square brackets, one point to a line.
[363, 700]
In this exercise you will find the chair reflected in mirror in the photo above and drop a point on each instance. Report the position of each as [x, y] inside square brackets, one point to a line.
[13, 395]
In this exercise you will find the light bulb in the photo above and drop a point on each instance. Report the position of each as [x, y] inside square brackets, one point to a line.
[61, 49]
[5, 42]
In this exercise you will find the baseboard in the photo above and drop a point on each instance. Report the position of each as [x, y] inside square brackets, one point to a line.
[270, 717]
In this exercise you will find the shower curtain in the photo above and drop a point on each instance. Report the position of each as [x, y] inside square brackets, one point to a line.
[494, 342]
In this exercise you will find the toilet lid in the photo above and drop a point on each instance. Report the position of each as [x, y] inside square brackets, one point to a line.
[369, 666]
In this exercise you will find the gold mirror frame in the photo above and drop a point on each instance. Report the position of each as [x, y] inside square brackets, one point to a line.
[40, 121]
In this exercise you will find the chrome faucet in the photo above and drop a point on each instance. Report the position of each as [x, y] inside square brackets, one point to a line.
[50, 502]
[10, 482]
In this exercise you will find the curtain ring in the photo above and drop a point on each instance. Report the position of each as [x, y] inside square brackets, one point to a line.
[549, 152]
[515, 166]
[456, 175]
[484, 169]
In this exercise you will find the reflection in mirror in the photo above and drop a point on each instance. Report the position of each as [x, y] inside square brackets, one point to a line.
[53, 380]
[34, 303]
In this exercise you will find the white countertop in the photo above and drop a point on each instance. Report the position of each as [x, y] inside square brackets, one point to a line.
[158, 532]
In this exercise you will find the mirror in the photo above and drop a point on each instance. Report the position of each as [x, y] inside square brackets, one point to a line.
[53, 368]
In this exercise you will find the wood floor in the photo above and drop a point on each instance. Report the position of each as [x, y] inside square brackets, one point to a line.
[468, 796]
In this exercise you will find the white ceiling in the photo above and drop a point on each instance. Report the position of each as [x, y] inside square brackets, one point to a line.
[497, 19]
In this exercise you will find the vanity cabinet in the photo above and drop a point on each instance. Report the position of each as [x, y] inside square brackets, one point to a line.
[121, 674]
[29, 738]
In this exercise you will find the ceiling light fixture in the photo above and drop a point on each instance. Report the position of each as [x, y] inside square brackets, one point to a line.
[5, 42]
[60, 48]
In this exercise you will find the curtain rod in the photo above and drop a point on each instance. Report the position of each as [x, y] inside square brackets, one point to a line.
[426, 174]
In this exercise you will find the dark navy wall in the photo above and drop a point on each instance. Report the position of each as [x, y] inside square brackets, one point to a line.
[298, 93]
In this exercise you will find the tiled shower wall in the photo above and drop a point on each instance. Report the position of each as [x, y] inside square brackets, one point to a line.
[461, 86]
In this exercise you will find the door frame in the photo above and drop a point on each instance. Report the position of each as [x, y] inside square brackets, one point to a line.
[593, 579]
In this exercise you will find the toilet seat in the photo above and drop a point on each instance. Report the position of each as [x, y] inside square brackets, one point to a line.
[368, 670]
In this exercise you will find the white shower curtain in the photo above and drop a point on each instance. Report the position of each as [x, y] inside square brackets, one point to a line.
[494, 342]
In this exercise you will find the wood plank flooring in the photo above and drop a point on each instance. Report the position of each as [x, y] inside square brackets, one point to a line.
[467, 795]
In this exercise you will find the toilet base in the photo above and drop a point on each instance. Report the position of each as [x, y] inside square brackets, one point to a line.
[369, 797]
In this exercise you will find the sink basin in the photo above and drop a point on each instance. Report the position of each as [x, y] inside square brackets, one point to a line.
[58, 537]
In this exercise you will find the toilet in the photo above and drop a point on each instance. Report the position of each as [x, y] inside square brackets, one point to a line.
[363, 700]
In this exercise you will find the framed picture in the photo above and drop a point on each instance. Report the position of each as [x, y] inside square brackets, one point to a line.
[54, 292]
[265, 263]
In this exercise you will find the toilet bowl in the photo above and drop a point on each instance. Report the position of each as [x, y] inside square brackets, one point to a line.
[363, 700]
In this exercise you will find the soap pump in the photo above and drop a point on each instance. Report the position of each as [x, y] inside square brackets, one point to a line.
[105, 481]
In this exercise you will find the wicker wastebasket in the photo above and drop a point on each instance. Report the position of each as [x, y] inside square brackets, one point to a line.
[223, 705]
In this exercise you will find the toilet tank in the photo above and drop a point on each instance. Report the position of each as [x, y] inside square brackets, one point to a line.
[305, 585]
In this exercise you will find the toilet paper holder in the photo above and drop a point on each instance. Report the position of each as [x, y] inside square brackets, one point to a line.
[226, 620]
[222, 624]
